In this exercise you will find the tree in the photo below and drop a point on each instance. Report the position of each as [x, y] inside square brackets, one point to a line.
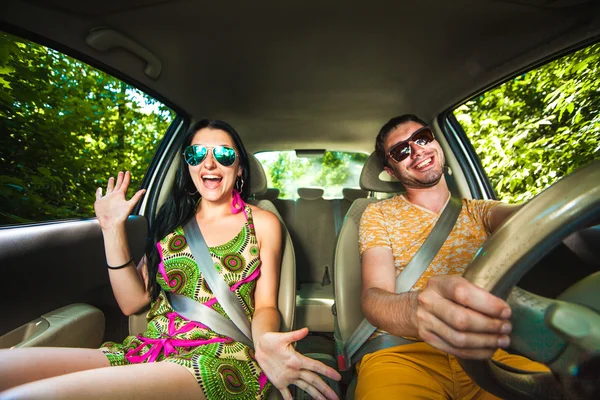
[66, 128]
[539, 126]
[331, 171]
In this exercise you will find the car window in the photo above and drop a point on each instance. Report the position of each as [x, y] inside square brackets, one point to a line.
[537, 127]
[331, 171]
[66, 128]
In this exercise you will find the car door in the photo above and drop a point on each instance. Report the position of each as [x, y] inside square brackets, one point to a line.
[66, 128]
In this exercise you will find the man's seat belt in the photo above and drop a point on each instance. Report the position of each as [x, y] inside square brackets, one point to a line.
[355, 348]
[238, 327]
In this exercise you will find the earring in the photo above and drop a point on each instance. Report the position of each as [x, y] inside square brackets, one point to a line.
[239, 184]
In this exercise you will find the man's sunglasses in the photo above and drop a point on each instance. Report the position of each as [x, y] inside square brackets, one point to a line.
[401, 150]
[195, 154]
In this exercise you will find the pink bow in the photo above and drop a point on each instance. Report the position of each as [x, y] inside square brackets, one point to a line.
[237, 204]
[167, 344]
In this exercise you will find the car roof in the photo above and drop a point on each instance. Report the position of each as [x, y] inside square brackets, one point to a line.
[312, 74]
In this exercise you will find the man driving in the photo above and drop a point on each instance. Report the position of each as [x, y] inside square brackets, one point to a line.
[443, 313]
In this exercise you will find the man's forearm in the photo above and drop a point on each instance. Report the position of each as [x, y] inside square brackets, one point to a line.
[394, 313]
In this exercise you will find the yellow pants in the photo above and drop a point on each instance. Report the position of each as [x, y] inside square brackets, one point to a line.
[419, 371]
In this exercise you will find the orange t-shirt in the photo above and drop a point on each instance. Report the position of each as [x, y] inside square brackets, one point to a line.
[402, 227]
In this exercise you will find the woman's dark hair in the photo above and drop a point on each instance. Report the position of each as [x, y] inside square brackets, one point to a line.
[180, 206]
[388, 128]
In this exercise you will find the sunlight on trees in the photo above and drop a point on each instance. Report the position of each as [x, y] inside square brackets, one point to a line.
[538, 127]
[331, 171]
[66, 128]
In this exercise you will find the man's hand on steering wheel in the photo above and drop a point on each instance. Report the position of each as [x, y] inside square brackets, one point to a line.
[461, 319]
[564, 332]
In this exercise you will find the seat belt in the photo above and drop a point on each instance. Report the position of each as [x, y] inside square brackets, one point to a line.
[227, 299]
[337, 220]
[337, 216]
[353, 351]
[195, 311]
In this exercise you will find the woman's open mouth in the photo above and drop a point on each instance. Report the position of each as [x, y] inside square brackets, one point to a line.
[211, 181]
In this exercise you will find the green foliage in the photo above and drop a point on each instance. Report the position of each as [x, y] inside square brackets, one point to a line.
[283, 170]
[65, 129]
[538, 127]
[332, 171]
[335, 167]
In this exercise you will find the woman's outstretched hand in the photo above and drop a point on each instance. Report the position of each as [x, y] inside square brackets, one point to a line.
[285, 366]
[113, 208]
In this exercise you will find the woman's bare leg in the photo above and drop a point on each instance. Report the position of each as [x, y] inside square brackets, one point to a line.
[19, 366]
[141, 381]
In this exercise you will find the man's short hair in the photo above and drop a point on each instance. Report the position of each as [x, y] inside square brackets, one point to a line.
[388, 128]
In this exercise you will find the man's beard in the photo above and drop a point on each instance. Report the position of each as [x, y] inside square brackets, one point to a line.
[430, 180]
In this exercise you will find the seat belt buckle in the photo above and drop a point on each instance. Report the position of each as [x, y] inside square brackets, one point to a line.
[342, 364]
[341, 361]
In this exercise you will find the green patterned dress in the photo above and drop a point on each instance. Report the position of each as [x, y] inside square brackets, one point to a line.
[223, 368]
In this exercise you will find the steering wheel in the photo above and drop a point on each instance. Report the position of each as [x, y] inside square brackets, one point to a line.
[562, 333]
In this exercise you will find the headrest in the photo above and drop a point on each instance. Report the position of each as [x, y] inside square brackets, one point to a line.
[258, 179]
[271, 194]
[353, 194]
[310, 193]
[370, 177]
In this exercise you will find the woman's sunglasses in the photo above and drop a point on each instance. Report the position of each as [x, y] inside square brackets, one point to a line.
[401, 150]
[195, 154]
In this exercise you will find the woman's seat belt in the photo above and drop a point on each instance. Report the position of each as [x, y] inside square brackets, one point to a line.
[238, 327]
[194, 311]
[355, 348]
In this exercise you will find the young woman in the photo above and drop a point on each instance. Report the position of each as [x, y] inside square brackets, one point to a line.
[177, 356]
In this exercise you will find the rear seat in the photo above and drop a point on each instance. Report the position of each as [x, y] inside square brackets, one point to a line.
[270, 194]
[313, 223]
[314, 241]
[314, 231]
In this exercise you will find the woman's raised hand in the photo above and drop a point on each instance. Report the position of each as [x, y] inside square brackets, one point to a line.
[285, 366]
[113, 208]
